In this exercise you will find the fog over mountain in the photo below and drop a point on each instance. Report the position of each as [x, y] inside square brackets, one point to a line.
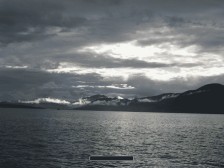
[61, 50]
[206, 99]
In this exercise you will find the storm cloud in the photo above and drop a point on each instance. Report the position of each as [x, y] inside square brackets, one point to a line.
[73, 48]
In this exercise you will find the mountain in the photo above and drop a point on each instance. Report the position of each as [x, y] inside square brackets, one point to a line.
[43, 105]
[206, 99]
[17, 105]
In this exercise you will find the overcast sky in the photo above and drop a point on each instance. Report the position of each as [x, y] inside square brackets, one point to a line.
[67, 49]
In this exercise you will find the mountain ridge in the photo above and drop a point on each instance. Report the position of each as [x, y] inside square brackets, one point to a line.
[205, 99]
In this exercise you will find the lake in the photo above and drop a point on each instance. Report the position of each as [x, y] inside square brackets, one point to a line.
[34, 138]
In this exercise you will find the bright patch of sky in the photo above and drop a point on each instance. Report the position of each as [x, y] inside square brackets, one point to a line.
[46, 100]
[121, 86]
[211, 64]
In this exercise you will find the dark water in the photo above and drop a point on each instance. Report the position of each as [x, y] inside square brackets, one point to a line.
[65, 139]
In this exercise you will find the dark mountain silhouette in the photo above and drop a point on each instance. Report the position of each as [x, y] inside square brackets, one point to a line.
[17, 105]
[43, 105]
[206, 99]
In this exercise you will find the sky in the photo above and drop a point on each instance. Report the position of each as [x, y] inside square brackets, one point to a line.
[67, 49]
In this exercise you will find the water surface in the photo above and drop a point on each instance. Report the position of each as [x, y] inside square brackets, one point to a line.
[63, 139]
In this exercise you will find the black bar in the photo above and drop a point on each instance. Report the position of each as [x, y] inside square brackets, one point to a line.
[111, 158]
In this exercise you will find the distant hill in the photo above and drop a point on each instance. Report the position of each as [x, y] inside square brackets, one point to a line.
[17, 105]
[206, 99]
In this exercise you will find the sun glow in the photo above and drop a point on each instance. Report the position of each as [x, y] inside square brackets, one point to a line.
[165, 53]
[130, 50]
[124, 50]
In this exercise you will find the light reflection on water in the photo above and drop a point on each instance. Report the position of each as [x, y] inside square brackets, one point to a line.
[52, 138]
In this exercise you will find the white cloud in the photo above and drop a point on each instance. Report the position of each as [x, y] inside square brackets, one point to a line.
[120, 86]
[15, 67]
[46, 100]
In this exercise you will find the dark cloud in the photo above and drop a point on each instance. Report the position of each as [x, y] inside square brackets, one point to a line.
[24, 84]
[43, 34]
[111, 21]
[28, 85]
[28, 20]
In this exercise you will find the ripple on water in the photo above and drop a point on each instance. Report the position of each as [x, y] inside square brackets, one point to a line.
[48, 138]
